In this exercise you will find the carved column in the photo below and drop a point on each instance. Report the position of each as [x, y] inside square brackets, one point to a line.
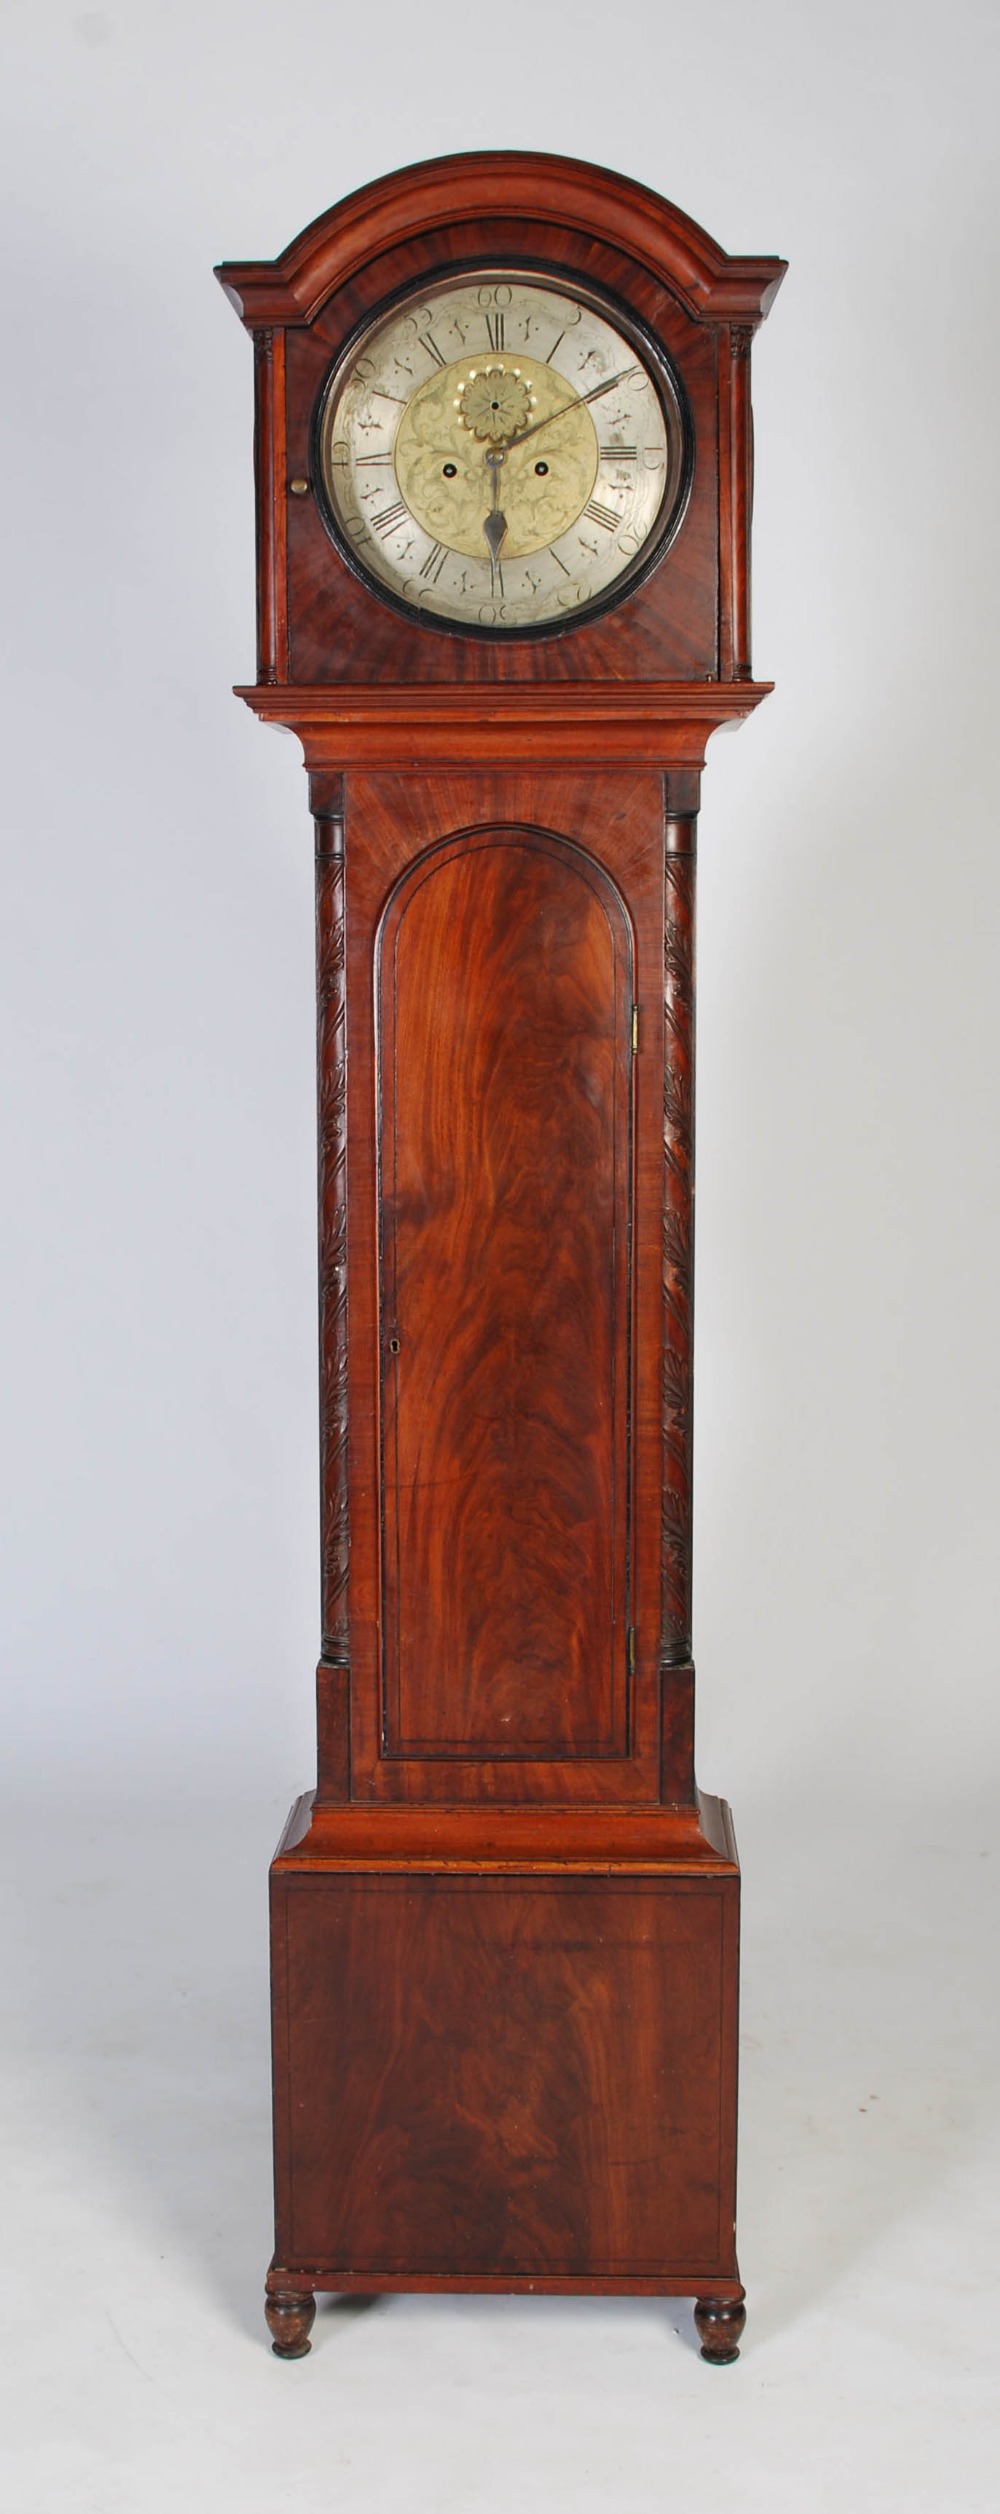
[680, 829]
[327, 800]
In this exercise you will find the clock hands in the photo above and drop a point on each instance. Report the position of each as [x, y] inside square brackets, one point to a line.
[495, 525]
[581, 399]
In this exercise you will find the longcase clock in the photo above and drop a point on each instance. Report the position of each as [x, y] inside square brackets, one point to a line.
[503, 493]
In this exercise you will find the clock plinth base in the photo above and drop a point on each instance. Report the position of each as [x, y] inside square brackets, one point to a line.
[510, 2075]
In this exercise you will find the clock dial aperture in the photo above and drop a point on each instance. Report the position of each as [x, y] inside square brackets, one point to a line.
[497, 453]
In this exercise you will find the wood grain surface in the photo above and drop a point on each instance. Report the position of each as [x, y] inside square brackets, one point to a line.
[533, 937]
[524, 2077]
[504, 1027]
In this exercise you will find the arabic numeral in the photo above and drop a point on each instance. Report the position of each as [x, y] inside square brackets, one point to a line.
[420, 336]
[570, 316]
[417, 328]
[630, 541]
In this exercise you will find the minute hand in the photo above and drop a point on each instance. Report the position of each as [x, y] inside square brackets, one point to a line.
[581, 398]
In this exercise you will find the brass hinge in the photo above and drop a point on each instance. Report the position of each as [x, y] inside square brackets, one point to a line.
[631, 1649]
[635, 1029]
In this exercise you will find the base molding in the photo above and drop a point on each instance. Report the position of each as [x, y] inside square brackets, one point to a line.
[718, 2292]
[380, 1838]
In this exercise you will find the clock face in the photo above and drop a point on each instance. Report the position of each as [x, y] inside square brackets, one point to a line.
[500, 454]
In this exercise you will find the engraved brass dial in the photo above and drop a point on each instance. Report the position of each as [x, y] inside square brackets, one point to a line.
[499, 453]
[544, 489]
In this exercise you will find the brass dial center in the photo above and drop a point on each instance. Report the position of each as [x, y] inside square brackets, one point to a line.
[450, 424]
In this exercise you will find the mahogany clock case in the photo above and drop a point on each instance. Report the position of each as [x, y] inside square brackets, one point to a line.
[320, 623]
[504, 1927]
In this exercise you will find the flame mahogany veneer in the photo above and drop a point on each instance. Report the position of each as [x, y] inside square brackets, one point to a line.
[504, 1926]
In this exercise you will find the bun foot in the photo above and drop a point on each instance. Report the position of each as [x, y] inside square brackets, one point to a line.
[720, 2329]
[289, 2319]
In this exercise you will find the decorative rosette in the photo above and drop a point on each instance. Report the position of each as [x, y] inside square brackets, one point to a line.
[494, 403]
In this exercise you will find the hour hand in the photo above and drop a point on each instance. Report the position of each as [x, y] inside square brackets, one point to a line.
[495, 524]
[495, 531]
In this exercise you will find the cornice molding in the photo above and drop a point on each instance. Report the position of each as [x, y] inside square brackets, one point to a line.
[714, 286]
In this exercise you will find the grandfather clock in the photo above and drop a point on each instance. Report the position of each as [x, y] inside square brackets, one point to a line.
[503, 449]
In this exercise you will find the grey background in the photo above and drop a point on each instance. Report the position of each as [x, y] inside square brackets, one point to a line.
[160, 1590]
[157, 933]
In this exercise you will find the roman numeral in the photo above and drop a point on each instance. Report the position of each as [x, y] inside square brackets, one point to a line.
[374, 458]
[602, 515]
[495, 330]
[428, 342]
[391, 516]
[619, 453]
[434, 562]
[553, 349]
